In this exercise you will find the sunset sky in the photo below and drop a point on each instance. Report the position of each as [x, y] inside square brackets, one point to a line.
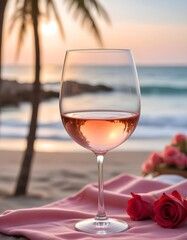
[155, 30]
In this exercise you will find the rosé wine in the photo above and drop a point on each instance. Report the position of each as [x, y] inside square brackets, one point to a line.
[100, 131]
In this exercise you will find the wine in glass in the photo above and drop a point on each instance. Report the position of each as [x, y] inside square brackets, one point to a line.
[100, 109]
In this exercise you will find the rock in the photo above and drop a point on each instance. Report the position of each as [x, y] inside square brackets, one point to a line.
[75, 88]
[13, 92]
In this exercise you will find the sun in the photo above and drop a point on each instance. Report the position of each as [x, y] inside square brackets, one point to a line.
[49, 28]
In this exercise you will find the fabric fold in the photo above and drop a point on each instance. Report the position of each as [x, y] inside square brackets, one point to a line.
[56, 221]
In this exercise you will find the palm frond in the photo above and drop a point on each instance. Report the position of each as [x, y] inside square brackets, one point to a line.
[22, 16]
[84, 8]
[100, 10]
[14, 19]
[50, 5]
[19, 14]
[22, 31]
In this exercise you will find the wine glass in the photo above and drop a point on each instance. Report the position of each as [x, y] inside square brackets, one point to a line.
[100, 108]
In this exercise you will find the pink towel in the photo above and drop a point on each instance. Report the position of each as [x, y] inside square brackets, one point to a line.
[56, 221]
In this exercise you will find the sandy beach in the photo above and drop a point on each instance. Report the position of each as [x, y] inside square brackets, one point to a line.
[56, 175]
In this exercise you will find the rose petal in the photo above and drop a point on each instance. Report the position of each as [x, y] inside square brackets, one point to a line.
[169, 210]
[139, 209]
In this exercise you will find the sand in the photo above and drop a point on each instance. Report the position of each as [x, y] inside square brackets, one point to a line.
[56, 175]
[60, 174]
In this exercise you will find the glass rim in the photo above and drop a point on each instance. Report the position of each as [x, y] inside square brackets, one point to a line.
[92, 50]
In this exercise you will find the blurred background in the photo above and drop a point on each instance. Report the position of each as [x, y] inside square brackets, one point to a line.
[155, 31]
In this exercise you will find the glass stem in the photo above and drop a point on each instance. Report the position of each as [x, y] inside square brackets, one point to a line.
[101, 207]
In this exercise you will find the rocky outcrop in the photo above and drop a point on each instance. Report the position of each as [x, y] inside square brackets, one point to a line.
[13, 92]
[74, 88]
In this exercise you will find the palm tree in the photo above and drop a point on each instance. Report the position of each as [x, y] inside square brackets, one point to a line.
[28, 11]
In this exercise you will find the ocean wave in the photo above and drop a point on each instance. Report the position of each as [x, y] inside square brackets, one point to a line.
[149, 127]
[155, 132]
[163, 90]
[164, 121]
[156, 89]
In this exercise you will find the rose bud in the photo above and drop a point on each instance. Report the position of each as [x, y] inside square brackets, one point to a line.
[155, 158]
[179, 138]
[170, 154]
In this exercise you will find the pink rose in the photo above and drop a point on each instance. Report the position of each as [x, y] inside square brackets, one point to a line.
[170, 210]
[155, 158]
[149, 165]
[139, 209]
[147, 168]
[170, 154]
[181, 161]
[179, 138]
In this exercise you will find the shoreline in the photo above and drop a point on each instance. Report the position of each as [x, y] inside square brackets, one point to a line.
[56, 175]
[48, 145]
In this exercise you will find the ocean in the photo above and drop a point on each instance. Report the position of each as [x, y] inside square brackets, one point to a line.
[163, 106]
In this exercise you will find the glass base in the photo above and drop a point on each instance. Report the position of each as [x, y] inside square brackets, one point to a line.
[94, 226]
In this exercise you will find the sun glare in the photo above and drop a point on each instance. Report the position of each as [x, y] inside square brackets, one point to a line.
[49, 28]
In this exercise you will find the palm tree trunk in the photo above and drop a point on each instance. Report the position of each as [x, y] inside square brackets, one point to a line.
[2, 11]
[29, 152]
